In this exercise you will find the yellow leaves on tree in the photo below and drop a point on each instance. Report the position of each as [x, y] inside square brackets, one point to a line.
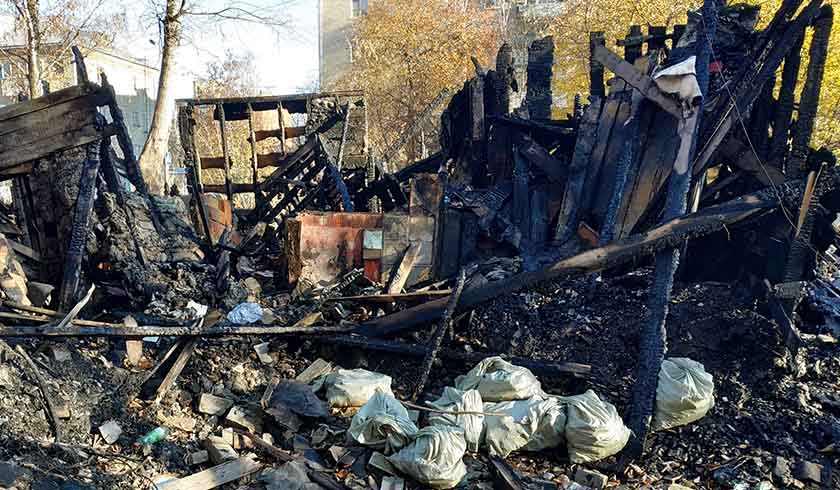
[405, 52]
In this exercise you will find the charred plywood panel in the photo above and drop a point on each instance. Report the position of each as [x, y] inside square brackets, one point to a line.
[323, 246]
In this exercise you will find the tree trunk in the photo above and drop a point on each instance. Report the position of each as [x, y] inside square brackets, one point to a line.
[33, 42]
[152, 158]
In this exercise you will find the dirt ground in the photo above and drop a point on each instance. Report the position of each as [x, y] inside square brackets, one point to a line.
[761, 413]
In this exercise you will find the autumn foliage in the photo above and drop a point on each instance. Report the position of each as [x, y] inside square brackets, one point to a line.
[405, 52]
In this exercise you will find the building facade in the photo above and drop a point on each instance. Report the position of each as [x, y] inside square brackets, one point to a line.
[335, 27]
[134, 81]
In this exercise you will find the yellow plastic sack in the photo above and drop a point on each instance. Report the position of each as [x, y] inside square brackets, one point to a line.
[435, 457]
[498, 380]
[354, 387]
[454, 400]
[685, 393]
[382, 423]
[594, 430]
[531, 425]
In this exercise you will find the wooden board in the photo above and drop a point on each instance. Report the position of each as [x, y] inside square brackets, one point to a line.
[649, 176]
[215, 476]
[41, 103]
[268, 160]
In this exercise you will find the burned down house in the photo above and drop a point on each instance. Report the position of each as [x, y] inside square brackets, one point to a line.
[640, 294]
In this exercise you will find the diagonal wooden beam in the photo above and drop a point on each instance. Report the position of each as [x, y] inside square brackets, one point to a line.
[636, 79]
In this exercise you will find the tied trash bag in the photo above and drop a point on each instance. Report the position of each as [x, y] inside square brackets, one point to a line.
[498, 380]
[434, 458]
[593, 428]
[685, 393]
[531, 425]
[354, 387]
[382, 423]
[454, 400]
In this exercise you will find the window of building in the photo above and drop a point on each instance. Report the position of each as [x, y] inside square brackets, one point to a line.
[358, 7]
[5, 70]
[135, 119]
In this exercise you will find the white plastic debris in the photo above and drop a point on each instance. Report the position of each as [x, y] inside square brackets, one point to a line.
[454, 400]
[435, 457]
[685, 393]
[198, 310]
[531, 425]
[245, 314]
[383, 424]
[594, 430]
[354, 387]
[498, 380]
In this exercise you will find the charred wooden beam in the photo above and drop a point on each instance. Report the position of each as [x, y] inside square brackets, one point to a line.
[638, 80]
[538, 98]
[667, 235]
[541, 158]
[747, 91]
[217, 330]
[567, 221]
[596, 68]
[220, 108]
[255, 167]
[784, 106]
[80, 228]
[653, 342]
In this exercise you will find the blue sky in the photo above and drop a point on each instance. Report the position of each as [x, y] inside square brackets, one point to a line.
[286, 59]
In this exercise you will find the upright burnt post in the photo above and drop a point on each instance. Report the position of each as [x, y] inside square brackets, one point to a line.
[596, 69]
[800, 248]
[784, 106]
[81, 228]
[540, 69]
[653, 341]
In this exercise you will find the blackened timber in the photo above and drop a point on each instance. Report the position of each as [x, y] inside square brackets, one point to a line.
[747, 92]
[619, 252]
[638, 80]
[784, 106]
[567, 222]
[216, 330]
[541, 158]
[80, 228]
[225, 154]
[809, 99]
[653, 341]
[596, 68]
[255, 173]
[540, 68]
[543, 368]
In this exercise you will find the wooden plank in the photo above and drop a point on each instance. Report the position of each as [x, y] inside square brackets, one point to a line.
[636, 79]
[255, 173]
[234, 188]
[291, 132]
[40, 149]
[409, 258]
[263, 161]
[187, 348]
[225, 154]
[53, 98]
[46, 124]
[573, 194]
[390, 298]
[25, 251]
[542, 159]
[215, 476]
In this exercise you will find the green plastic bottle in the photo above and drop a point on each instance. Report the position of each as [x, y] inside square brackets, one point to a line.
[153, 437]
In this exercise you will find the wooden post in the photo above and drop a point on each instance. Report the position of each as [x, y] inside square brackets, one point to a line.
[254, 163]
[596, 69]
[81, 227]
[633, 44]
[282, 123]
[221, 110]
[658, 34]
[784, 107]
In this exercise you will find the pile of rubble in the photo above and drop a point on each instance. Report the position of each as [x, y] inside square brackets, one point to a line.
[487, 317]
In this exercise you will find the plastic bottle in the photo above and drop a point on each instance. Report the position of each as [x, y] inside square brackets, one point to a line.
[153, 437]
